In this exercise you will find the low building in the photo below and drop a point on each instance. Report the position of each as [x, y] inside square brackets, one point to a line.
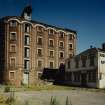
[87, 68]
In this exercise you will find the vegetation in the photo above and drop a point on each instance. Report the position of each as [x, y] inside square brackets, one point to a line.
[54, 101]
[7, 89]
[11, 99]
[46, 87]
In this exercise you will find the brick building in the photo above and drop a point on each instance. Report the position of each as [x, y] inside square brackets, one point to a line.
[27, 47]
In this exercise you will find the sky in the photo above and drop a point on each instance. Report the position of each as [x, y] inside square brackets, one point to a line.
[87, 17]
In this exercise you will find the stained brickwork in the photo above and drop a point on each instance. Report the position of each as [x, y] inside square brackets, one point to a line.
[30, 46]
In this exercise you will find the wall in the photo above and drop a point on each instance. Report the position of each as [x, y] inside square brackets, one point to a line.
[101, 70]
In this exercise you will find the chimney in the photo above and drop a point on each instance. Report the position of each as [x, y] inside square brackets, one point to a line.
[91, 46]
[26, 14]
[103, 46]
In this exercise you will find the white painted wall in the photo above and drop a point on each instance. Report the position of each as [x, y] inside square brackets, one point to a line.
[73, 68]
[101, 69]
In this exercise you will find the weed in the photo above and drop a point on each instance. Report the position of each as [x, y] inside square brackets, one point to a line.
[7, 89]
[54, 101]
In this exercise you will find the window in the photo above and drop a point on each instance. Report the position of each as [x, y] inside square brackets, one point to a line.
[26, 64]
[39, 28]
[12, 62]
[76, 63]
[68, 76]
[61, 55]
[51, 64]
[61, 44]
[70, 37]
[51, 43]
[51, 54]
[27, 28]
[83, 63]
[27, 40]
[61, 35]
[39, 75]
[70, 55]
[39, 52]
[70, 46]
[76, 76]
[12, 75]
[27, 52]
[83, 58]
[12, 48]
[13, 36]
[51, 31]
[39, 41]
[91, 60]
[68, 64]
[13, 23]
[39, 63]
[92, 76]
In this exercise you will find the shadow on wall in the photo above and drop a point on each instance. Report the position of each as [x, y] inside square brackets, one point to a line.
[54, 75]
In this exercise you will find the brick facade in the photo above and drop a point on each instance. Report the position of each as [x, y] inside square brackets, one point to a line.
[30, 46]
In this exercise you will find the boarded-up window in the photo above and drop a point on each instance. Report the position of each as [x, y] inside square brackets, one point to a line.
[51, 54]
[12, 48]
[61, 44]
[12, 75]
[12, 62]
[51, 64]
[13, 36]
[39, 63]
[13, 23]
[51, 43]
[39, 41]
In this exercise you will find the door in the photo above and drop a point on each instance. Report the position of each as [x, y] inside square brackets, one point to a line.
[25, 78]
[84, 79]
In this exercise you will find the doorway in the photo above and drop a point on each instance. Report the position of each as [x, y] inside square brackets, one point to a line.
[84, 79]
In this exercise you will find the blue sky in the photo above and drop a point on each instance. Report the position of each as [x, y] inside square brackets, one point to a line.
[87, 17]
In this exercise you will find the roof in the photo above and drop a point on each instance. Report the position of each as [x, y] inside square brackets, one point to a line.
[37, 22]
[90, 51]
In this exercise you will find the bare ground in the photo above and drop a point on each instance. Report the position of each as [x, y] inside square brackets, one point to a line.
[77, 97]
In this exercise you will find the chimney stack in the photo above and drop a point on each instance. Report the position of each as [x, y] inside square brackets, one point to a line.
[91, 46]
[103, 46]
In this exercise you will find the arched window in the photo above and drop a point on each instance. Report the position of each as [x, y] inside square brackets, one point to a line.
[27, 28]
[39, 28]
[61, 34]
[13, 23]
[51, 32]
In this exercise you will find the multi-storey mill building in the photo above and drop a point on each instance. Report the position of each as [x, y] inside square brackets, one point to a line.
[27, 47]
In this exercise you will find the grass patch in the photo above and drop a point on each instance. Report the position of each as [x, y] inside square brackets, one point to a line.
[47, 87]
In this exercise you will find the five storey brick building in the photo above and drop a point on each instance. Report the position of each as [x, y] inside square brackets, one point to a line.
[27, 47]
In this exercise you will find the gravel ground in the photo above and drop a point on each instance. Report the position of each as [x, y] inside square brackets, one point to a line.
[76, 97]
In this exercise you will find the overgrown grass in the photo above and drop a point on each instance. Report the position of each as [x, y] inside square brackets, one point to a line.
[57, 87]
[41, 87]
[11, 100]
[46, 87]
[54, 101]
